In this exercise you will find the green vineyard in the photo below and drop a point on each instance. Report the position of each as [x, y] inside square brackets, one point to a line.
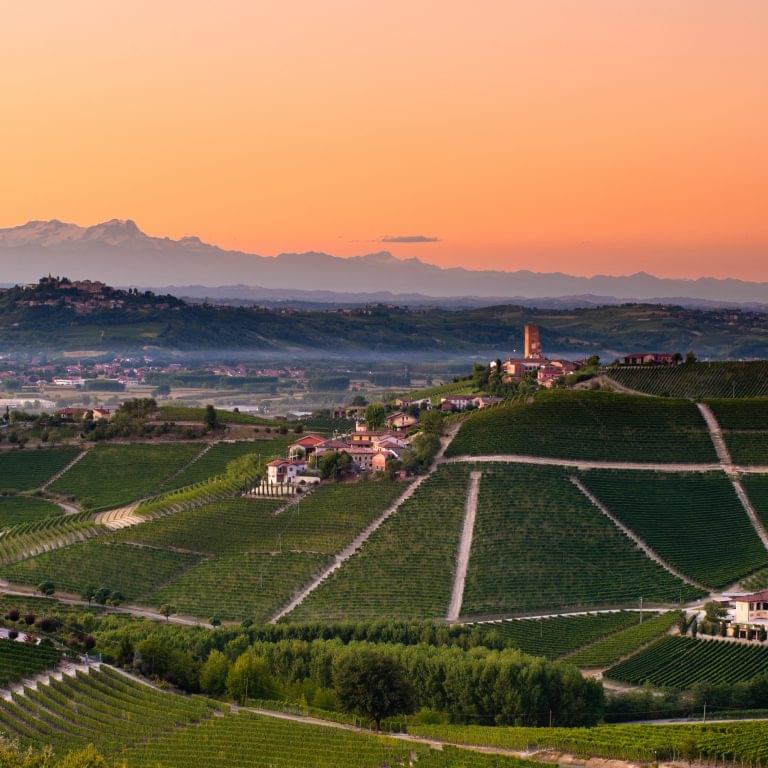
[111, 475]
[539, 544]
[699, 380]
[15, 510]
[740, 743]
[694, 521]
[405, 570]
[679, 662]
[20, 660]
[610, 649]
[27, 470]
[589, 425]
[556, 636]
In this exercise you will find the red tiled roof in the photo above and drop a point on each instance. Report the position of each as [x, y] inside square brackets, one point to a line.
[755, 597]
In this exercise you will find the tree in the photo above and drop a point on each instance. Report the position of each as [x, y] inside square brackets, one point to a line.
[333, 465]
[215, 621]
[375, 416]
[46, 588]
[249, 678]
[167, 609]
[88, 593]
[690, 358]
[715, 611]
[372, 685]
[213, 674]
[431, 422]
[211, 418]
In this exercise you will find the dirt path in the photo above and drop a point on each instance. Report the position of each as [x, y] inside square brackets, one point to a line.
[717, 437]
[630, 534]
[361, 538]
[582, 463]
[733, 472]
[51, 480]
[465, 547]
[69, 598]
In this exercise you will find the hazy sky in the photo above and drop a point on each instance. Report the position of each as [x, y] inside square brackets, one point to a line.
[576, 135]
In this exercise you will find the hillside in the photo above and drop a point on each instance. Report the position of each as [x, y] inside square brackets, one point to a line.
[59, 316]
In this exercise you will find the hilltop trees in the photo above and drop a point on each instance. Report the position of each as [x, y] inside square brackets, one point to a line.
[372, 685]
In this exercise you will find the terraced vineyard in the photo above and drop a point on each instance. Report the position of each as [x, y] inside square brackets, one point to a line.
[25, 509]
[540, 545]
[215, 461]
[111, 475]
[21, 660]
[756, 487]
[572, 424]
[405, 570]
[610, 649]
[147, 727]
[134, 571]
[745, 428]
[719, 379]
[719, 743]
[679, 662]
[27, 470]
[245, 586]
[694, 521]
[28, 539]
[556, 636]
[102, 707]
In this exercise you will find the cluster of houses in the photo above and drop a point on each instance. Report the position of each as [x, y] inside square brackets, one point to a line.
[747, 615]
[368, 450]
[547, 370]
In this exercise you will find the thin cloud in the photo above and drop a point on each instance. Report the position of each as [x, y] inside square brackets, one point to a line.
[409, 239]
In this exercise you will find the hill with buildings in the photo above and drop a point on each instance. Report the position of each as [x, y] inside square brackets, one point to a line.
[59, 314]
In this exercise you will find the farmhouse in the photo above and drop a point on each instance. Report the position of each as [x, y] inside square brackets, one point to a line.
[304, 446]
[401, 421]
[650, 358]
[281, 471]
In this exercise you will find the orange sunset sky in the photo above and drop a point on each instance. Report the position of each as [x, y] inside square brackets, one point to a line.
[583, 136]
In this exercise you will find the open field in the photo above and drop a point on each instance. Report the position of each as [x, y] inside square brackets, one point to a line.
[26, 470]
[720, 379]
[111, 475]
[609, 650]
[679, 662]
[694, 521]
[405, 570]
[556, 636]
[589, 425]
[25, 509]
[540, 545]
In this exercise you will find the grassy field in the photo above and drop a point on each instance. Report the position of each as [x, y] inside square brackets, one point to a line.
[589, 425]
[720, 379]
[405, 570]
[27, 470]
[694, 521]
[609, 650]
[25, 509]
[556, 636]
[540, 545]
[679, 662]
[111, 475]
[134, 571]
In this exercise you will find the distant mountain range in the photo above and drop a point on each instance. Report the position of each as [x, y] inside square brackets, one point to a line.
[119, 253]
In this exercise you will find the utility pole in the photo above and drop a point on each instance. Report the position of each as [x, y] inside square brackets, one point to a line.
[641, 609]
[705, 712]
